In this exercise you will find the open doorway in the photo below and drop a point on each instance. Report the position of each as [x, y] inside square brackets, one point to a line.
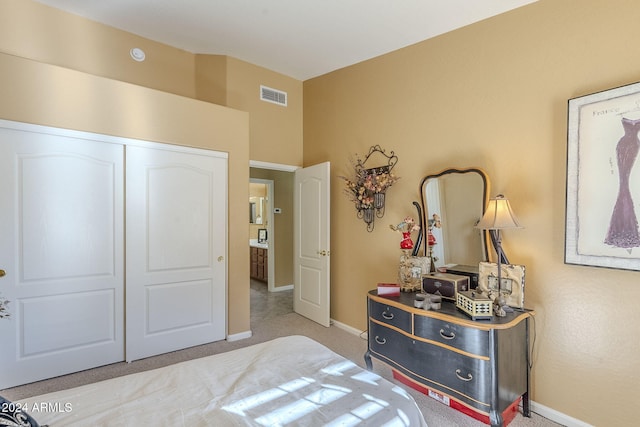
[271, 208]
[261, 234]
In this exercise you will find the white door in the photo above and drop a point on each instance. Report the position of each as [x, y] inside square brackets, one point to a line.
[62, 249]
[176, 249]
[311, 245]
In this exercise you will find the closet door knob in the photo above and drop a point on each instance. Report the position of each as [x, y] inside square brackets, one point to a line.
[2, 273]
[220, 258]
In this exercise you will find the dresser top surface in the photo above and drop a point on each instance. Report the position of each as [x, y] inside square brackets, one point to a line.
[449, 312]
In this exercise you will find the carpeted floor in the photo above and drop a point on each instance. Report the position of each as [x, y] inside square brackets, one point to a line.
[267, 305]
[271, 316]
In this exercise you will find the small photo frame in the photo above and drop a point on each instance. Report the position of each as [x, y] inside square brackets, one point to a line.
[512, 282]
[262, 235]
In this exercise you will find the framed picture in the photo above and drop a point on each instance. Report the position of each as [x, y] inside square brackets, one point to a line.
[512, 278]
[603, 179]
[262, 235]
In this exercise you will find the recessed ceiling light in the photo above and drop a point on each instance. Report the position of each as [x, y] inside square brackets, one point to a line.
[137, 54]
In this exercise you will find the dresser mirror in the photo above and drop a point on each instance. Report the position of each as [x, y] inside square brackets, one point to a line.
[457, 198]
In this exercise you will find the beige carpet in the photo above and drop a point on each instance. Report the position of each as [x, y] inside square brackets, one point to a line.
[265, 327]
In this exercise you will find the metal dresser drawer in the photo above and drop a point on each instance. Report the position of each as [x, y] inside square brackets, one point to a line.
[466, 378]
[389, 344]
[390, 315]
[470, 340]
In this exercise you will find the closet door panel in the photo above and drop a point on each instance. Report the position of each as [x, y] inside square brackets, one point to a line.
[62, 248]
[176, 249]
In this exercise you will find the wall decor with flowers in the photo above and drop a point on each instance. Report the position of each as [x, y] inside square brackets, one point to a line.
[367, 188]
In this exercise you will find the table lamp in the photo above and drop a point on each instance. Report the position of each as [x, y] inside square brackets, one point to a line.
[498, 216]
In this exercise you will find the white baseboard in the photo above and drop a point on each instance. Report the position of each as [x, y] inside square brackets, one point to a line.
[347, 328]
[556, 416]
[238, 337]
[282, 288]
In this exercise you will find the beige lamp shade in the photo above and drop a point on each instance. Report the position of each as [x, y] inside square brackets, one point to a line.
[498, 215]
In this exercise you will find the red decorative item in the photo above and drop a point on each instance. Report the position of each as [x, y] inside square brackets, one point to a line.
[431, 239]
[406, 242]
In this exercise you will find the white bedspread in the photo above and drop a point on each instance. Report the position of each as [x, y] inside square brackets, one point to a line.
[288, 381]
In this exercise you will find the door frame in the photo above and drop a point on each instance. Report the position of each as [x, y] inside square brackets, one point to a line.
[276, 167]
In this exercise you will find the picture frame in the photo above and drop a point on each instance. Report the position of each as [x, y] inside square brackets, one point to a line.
[603, 179]
[512, 276]
[262, 235]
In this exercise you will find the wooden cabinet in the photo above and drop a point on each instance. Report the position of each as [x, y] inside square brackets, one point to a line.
[259, 263]
[478, 367]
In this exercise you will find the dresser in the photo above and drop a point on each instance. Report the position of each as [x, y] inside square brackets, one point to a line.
[259, 263]
[478, 367]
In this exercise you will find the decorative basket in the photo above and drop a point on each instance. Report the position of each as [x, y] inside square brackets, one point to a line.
[474, 305]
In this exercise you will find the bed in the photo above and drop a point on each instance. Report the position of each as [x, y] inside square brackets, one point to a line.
[287, 381]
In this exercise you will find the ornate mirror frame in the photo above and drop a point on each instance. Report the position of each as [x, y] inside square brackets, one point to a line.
[426, 216]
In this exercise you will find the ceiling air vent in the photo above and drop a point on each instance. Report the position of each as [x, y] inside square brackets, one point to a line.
[273, 95]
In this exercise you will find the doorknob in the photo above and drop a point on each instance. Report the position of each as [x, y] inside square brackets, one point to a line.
[2, 273]
[323, 253]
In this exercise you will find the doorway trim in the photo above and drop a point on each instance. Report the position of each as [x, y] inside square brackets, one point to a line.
[283, 168]
[273, 166]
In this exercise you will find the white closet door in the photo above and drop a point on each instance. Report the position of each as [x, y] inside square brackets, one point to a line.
[62, 249]
[176, 249]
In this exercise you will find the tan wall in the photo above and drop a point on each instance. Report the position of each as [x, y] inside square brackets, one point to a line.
[276, 131]
[35, 31]
[38, 32]
[282, 241]
[211, 78]
[53, 96]
[494, 95]
[50, 95]
[45, 35]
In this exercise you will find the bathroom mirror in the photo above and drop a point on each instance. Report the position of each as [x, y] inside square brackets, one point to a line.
[256, 210]
[457, 198]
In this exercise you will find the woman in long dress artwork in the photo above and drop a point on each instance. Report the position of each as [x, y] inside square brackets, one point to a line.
[623, 227]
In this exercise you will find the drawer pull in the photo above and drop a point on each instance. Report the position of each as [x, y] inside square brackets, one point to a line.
[381, 340]
[446, 336]
[469, 377]
[387, 315]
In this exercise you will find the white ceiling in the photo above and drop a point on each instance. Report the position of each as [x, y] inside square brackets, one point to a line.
[299, 38]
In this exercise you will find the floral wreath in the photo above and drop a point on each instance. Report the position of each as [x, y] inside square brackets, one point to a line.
[366, 184]
[368, 187]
